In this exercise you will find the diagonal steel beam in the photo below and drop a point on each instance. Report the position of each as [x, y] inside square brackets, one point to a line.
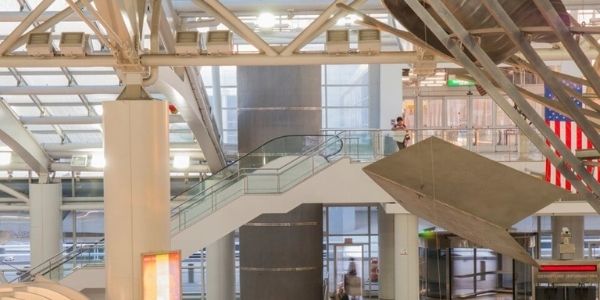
[236, 25]
[317, 25]
[517, 37]
[566, 38]
[20, 29]
[19, 140]
[455, 48]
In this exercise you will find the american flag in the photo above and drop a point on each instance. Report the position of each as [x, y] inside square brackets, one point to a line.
[569, 133]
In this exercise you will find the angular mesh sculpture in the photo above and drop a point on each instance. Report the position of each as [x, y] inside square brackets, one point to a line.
[463, 192]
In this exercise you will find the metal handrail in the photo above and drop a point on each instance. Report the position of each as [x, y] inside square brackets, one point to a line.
[68, 254]
[311, 150]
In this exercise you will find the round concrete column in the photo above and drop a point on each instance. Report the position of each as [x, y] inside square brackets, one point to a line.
[136, 191]
[406, 258]
[386, 255]
[220, 281]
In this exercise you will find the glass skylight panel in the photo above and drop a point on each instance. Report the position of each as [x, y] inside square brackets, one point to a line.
[99, 109]
[96, 79]
[7, 27]
[36, 127]
[67, 110]
[7, 80]
[85, 138]
[94, 127]
[9, 5]
[59, 98]
[58, 5]
[47, 80]
[47, 138]
[17, 98]
[34, 69]
[101, 97]
[91, 70]
[72, 27]
[26, 111]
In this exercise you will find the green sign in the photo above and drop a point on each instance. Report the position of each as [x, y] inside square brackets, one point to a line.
[459, 82]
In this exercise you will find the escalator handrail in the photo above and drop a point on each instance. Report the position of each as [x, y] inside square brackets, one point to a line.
[176, 210]
[245, 156]
[61, 258]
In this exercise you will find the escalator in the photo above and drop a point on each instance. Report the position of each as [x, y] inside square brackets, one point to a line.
[273, 168]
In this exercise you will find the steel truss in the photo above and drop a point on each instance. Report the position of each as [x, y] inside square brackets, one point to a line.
[492, 78]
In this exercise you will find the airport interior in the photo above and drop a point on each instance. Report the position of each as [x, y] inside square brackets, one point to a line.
[302, 150]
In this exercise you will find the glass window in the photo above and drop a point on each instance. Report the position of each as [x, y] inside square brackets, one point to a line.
[347, 117]
[229, 97]
[348, 74]
[482, 113]
[408, 106]
[228, 76]
[432, 113]
[347, 220]
[457, 113]
[348, 96]
[230, 121]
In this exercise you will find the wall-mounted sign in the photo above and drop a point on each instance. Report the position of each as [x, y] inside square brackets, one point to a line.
[161, 273]
[459, 82]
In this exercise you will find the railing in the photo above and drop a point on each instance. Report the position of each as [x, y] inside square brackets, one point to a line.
[284, 162]
[500, 144]
[274, 167]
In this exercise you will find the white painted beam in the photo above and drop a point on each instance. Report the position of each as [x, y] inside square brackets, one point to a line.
[17, 138]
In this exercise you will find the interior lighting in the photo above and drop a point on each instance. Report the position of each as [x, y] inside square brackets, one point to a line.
[266, 20]
[181, 162]
[98, 161]
[348, 20]
[5, 158]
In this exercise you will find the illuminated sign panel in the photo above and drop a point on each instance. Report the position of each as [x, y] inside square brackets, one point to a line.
[161, 273]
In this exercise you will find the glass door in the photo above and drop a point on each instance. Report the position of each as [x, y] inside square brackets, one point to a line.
[348, 269]
[457, 119]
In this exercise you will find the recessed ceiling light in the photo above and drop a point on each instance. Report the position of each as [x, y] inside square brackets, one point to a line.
[266, 20]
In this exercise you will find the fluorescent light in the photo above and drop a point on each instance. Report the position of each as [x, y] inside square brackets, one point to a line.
[181, 162]
[5, 158]
[266, 20]
[98, 161]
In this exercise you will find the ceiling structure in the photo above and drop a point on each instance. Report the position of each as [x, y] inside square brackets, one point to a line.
[52, 105]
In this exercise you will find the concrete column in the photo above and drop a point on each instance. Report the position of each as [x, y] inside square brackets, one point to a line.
[136, 191]
[406, 256]
[46, 221]
[220, 283]
[575, 225]
[386, 255]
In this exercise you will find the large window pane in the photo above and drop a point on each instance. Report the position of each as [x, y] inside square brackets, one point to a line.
[230, 120]
[348, 74]
[228, 76]
[431, 114]
[408, 106]
[457, 113]
[482, 113]
[348, 96]
[347, 117]
[229, 97]
[502, 119]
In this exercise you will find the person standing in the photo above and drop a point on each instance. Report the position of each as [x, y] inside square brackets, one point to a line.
[352, 282]
[400, 134]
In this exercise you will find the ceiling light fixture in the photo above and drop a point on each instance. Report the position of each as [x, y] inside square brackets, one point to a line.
[181, 162]
[266, 20]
